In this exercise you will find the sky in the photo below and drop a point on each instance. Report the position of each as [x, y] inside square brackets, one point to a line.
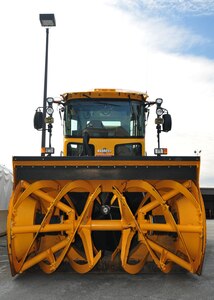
[164, 48]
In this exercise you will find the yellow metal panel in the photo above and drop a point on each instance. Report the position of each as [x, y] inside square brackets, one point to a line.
[106, 93]
[109, 144]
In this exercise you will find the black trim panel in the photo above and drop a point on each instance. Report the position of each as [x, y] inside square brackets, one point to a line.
[109, 158]
[106, 172]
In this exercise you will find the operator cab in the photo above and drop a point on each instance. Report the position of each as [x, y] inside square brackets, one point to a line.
[103, 123]
[105, 126]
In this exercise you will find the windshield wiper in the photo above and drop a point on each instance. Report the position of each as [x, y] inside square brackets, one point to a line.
[86, 96]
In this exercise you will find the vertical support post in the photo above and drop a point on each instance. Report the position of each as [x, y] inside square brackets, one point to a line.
[45, 96]
[158, 137]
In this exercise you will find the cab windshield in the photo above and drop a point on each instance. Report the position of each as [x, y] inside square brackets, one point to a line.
[104, 118]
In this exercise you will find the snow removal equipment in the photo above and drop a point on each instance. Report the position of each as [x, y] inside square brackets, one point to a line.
[104, 197]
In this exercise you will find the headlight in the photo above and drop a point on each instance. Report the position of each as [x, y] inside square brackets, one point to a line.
[50, 100]
[159, 111]
[159, 101]
[50, 110]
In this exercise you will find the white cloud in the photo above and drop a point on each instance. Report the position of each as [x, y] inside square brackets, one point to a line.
[195, 7]
[156, 19]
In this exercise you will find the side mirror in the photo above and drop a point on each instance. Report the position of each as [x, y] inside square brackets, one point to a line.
[38, 120]
[167, 122]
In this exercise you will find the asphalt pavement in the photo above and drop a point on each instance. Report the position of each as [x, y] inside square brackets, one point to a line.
[150, 284]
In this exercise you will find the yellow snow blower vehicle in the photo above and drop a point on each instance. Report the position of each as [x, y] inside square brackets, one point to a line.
[104, 197]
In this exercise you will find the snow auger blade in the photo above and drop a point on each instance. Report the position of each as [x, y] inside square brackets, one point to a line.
[143, 210]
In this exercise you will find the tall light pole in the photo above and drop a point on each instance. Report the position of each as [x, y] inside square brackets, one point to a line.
[47, 20]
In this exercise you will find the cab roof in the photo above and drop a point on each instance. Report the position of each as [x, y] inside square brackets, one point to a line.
[106, 93]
